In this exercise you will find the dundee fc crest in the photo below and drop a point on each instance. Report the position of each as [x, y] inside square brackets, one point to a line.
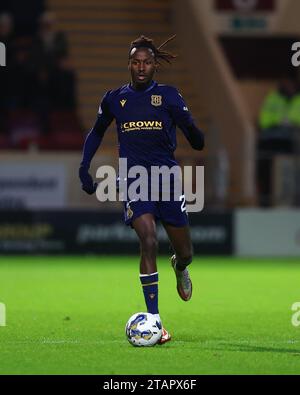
[156, 100]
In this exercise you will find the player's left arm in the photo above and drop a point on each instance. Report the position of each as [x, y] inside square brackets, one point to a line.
[183, 118]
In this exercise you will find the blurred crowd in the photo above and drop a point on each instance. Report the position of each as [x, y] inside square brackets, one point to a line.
[38, 86]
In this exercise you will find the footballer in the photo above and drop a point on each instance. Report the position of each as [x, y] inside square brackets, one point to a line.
[145, 102]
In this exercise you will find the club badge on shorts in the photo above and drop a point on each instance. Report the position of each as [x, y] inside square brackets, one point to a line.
[129, 212]
[156, 100]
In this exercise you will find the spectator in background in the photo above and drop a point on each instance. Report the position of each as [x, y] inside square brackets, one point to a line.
[281, 108]
[21, 77]
[54, 80]
[22, 123]
[63, 86]
[7, 33]
[50, 44]
[279, 122]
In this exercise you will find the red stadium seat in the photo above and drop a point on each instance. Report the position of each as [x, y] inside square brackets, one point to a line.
[65, 131]
[66, 121]
[4, 142]
[23, 128]
[67, 141]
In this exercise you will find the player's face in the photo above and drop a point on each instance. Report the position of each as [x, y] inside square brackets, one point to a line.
[142, 66]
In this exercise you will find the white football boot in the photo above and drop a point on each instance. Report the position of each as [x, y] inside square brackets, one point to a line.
[184, 282]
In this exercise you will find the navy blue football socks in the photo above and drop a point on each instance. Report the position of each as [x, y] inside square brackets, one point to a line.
[150, 288]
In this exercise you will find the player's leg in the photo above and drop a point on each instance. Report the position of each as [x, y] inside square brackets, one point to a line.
[182, 244]
[145, 228]
[175, 220]
[180, 239]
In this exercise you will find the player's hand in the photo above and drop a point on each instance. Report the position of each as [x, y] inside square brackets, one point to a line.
[87, 182]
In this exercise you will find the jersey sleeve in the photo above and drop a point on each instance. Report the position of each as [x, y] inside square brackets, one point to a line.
[105, 115]
[95, 136]
[184, 120]
[178, 109]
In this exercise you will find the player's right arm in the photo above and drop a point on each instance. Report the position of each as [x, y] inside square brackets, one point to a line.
[92, 143]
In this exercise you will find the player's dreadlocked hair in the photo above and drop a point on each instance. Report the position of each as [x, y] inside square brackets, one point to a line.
[145, 42]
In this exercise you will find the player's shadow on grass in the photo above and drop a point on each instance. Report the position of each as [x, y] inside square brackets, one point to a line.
[250, 348]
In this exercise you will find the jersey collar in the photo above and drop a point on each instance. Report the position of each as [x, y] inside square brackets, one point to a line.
[152, 85]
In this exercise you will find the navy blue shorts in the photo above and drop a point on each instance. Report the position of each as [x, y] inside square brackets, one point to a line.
[171, 212]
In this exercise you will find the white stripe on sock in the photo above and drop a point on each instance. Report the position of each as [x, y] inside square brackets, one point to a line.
[148, 275]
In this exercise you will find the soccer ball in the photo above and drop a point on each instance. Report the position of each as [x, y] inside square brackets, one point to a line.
[143, 330]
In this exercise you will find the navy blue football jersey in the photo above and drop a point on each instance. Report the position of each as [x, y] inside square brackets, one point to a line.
[146, 122]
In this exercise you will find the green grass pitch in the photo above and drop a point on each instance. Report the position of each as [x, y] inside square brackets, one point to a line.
[66, 315]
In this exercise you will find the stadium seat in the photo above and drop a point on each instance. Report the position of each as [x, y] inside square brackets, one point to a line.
[23, 128]
[65, 132]
[65, 120]
[66, 140]
[4, 142]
